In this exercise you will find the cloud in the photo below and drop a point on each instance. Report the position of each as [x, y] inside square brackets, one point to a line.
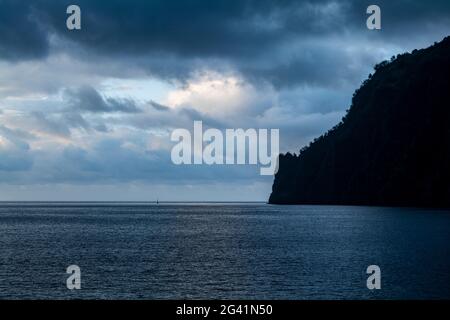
[264, 40]
[219, 95]
[88, 99]
[158, 106]
[14, 151]
[22, 35]
[110, 161]
[225, 28]
[97, 106]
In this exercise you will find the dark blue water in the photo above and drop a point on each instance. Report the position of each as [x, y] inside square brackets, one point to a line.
[240, 251]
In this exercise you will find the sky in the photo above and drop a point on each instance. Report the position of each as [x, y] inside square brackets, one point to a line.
[86, 115]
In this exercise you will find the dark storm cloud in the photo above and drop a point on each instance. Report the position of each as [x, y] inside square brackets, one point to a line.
[88, 99]
[173, 38]
[320, 65]
[227, 28]
[22, 36]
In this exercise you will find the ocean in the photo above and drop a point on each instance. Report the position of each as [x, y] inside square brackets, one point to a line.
[222, 251]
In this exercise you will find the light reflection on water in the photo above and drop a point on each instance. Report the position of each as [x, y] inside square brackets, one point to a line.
[222, 251]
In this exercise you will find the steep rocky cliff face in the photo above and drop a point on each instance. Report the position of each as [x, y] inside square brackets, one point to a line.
[393, 146]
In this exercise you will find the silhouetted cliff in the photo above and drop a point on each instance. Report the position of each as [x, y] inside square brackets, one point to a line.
[393, 146]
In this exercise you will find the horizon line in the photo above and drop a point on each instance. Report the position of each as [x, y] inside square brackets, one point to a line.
[128, 201]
